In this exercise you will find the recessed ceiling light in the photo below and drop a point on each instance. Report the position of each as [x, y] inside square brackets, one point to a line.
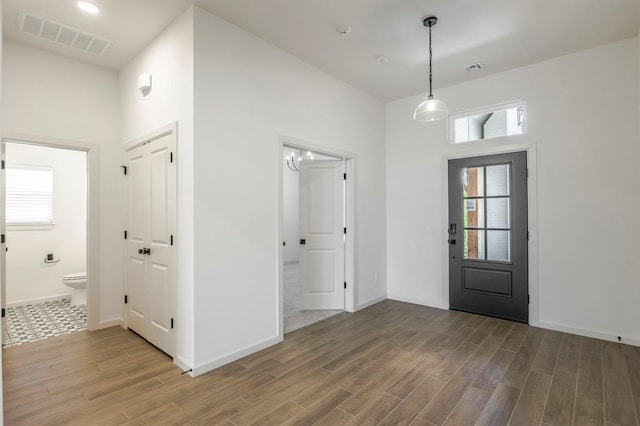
[88, 7]
[343, 30]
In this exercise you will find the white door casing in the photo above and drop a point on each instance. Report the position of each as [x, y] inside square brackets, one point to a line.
[3, 246]
[322, 229]
[150, 250]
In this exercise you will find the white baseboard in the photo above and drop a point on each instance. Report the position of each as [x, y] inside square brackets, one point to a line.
[370, 302]
[108, 323]
[38, 300]
[423, 302]
[183, 365]
[233, 356]
[586, 333]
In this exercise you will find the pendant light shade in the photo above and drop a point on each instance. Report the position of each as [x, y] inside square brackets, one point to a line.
[431, 109]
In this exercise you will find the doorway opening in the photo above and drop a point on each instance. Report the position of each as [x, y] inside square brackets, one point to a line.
[45, 266]
[316, 257]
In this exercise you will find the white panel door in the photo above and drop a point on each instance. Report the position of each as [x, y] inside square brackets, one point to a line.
[150, 256]
[322, 234]
[137, 194]
[161, 260]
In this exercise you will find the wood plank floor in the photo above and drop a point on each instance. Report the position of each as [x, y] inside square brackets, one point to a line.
[393, 363]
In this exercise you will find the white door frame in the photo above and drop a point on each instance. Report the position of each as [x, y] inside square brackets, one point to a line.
[350, 274]
[93, 212]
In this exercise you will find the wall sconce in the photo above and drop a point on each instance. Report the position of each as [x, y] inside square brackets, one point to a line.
[144, 83]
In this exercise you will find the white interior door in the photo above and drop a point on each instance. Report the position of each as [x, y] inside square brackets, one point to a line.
[322, 235]
[150, 254]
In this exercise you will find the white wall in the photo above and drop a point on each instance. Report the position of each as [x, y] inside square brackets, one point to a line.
[247, 93]
[291, 209]
[583, 132]
[169, 59]
[28, 277]
[51, 97]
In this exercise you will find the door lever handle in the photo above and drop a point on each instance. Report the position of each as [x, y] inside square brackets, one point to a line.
[144, 250]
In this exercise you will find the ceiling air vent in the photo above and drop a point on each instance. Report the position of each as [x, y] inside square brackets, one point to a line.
[65, 35]
[475, 67]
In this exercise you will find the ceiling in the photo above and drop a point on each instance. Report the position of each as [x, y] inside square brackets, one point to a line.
[502, 34]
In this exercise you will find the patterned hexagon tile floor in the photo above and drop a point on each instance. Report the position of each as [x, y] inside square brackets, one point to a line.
[39, 321]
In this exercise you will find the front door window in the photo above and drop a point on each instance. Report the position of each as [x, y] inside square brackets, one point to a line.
[486, 213]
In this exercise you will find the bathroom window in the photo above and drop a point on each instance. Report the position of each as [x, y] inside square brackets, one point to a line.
[29, 198]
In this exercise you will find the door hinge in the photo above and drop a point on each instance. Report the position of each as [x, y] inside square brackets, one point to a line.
[345, 284]
[345, 176]
[345, 231]
[2, 239]
[125, 235]
[171, 322]
[3, 164]
[126, 299]
[4, 313]
[124, 169]
[172, 240]
[171, 157]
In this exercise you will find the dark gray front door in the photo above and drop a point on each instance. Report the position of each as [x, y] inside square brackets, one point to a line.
[488, 259]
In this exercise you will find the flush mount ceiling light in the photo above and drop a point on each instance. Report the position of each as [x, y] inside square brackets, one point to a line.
[88, 7]
[431, 109]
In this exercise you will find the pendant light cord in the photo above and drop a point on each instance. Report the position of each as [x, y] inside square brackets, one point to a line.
[430, 56]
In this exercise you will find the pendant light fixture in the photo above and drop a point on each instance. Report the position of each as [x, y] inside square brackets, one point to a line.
[431, 109]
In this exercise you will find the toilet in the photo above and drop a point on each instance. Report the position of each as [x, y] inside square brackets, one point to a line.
[78, 282]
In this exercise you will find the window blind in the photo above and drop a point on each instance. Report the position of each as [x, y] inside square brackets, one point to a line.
[29, 196]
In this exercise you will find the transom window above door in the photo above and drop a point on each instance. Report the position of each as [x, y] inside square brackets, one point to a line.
[486, 212]
[487, 123]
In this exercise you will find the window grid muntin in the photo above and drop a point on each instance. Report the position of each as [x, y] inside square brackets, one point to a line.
[484, 230]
